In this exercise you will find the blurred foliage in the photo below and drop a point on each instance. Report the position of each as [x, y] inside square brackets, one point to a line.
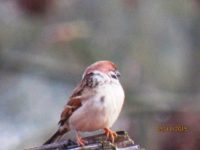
[45, 46]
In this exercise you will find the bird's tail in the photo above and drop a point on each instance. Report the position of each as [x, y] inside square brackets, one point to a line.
[55, 137]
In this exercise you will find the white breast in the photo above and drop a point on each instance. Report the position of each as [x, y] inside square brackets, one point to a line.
[101, 110]
[113, 102]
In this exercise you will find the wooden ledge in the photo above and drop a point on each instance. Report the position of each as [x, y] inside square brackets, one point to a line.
[96, 142]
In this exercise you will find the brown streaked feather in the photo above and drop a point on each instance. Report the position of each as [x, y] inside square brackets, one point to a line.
[75, 101]
[73, 104]
[70, 107]
[78, 90]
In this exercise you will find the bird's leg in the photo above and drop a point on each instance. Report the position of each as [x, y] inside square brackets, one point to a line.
[79, 140]
[110, 134]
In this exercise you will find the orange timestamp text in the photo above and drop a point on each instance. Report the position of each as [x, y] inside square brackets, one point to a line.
[173, 128]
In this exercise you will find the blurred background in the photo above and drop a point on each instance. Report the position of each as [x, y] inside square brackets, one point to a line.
[45, 45]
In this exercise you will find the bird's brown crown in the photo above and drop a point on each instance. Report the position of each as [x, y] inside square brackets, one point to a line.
[103, 66]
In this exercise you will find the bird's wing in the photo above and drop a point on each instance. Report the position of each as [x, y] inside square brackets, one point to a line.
[69, 108]
[75, 100]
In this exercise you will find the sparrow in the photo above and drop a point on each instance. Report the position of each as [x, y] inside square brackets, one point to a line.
[95, 103]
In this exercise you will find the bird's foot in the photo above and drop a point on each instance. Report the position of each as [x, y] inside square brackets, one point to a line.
[110, 134]
[80, 141]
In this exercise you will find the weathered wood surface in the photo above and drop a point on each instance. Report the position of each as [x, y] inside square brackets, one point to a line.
[96, 142]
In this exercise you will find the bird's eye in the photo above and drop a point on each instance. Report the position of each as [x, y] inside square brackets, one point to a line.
[113, 76]
[91, 73]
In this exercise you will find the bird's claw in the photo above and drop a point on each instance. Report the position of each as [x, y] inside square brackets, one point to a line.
[80, 141]
[110, 134]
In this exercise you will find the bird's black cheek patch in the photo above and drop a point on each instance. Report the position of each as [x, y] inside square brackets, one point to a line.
[102, 99]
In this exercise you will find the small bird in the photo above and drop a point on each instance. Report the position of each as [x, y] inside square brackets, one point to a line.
[94, 104]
